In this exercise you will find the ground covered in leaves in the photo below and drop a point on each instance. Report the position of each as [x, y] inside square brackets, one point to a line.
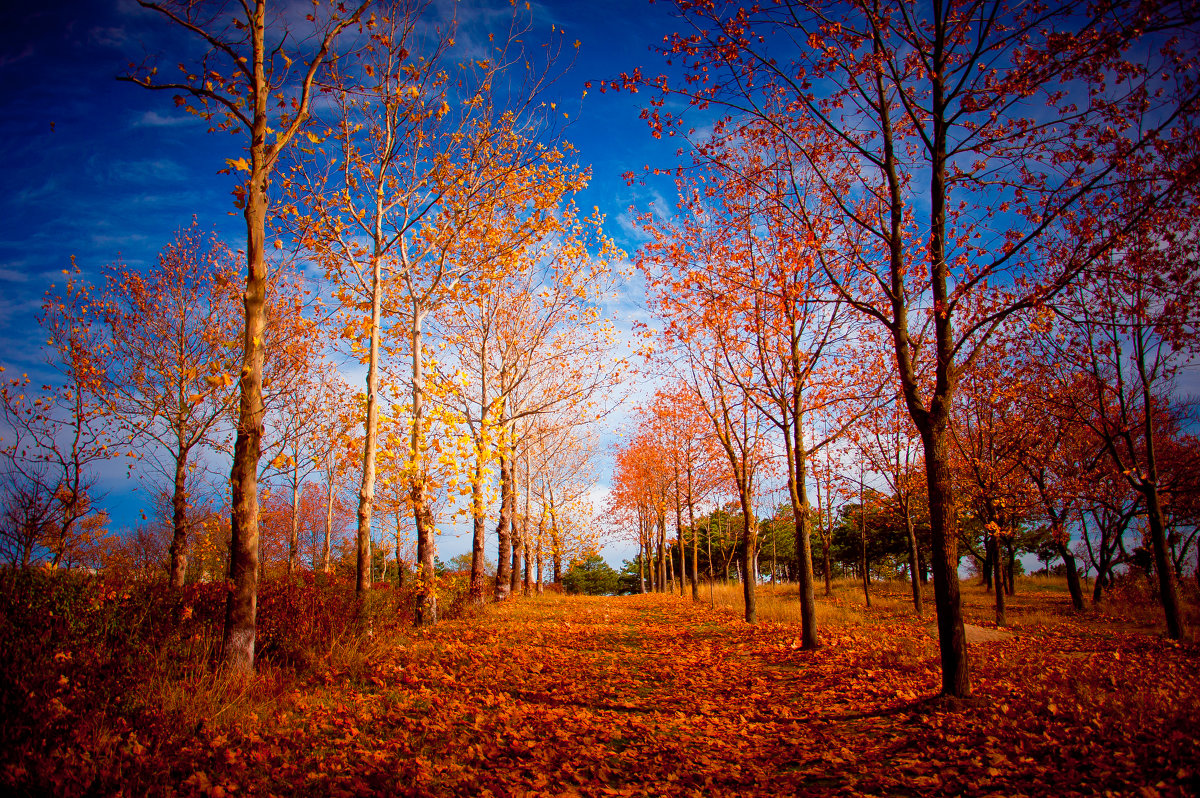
[657, 695]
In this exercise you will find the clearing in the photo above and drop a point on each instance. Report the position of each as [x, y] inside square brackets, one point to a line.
[655, 695]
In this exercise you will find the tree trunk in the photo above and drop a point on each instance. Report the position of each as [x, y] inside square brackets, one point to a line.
[749, 555]
[998, 580]
[426, 612]
[679, 538]
[1072, 575]
[828, 566]
[478, 522]
[294, 530]
[399, 560]
[711, 575]
[913, 564]
[366, 487]
[695, 573]
[527, 588]
[804, 571]
[864, 570]
[241, 607]
[518, 531]
[952, 640]
[1168, 594]
[539, 559]
[179, 522]
[1010, 570]
[862, 537]
[517, 551]
[642, 569]
[504, 564]
[669, 559]
[661, 553]
[328, 565]
[478, 536]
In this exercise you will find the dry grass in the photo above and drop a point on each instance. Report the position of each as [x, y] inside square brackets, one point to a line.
[1039, 602]
[844, 606]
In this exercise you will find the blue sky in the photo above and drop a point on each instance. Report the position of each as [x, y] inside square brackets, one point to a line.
[105, 172]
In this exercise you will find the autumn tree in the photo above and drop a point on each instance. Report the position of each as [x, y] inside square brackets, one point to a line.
[436, 179]
[302, 394]
[173, 331]
[1131, 327]
[304, 446]
[557, 456]
[530, 346]
[945, 148]
[57, 433]
[530, 343]
[249, 82]
[785, 335]
[739, 427]
[989, 438]
[1058, 462]
[887, 440]
[642, 478]
[697, 464]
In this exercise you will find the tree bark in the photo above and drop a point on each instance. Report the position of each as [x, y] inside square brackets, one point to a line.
[952, 640]
[478, 536]
[241, 607]
[749, 554]
[426, 612]
[179, 522]
[695, 572]
[366, 488]
[518, 531]
[661, 553]
[998, 580]
[327, 566]
[1168, 593]
[642, 568]
[503, 525]
[514, 583]
[1072, 575]
[478, 522]
[804, 570]
[294, 530]
[913, 564]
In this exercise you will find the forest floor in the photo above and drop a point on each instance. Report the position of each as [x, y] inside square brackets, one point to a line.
[655, 695]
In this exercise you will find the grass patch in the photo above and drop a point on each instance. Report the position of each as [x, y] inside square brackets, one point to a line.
[115, 669]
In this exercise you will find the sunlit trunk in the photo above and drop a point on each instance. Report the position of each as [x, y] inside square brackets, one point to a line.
[426, 612]
[366, 488]
[241, 607]
[503, 525]
[327, 565]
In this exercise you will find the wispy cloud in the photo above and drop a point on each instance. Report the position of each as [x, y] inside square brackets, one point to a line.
[155, 119]
[153, 172]
[108, 36]
[14, 272]
[12, 58]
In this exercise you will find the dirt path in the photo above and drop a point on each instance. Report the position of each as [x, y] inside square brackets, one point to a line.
[653, 696]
